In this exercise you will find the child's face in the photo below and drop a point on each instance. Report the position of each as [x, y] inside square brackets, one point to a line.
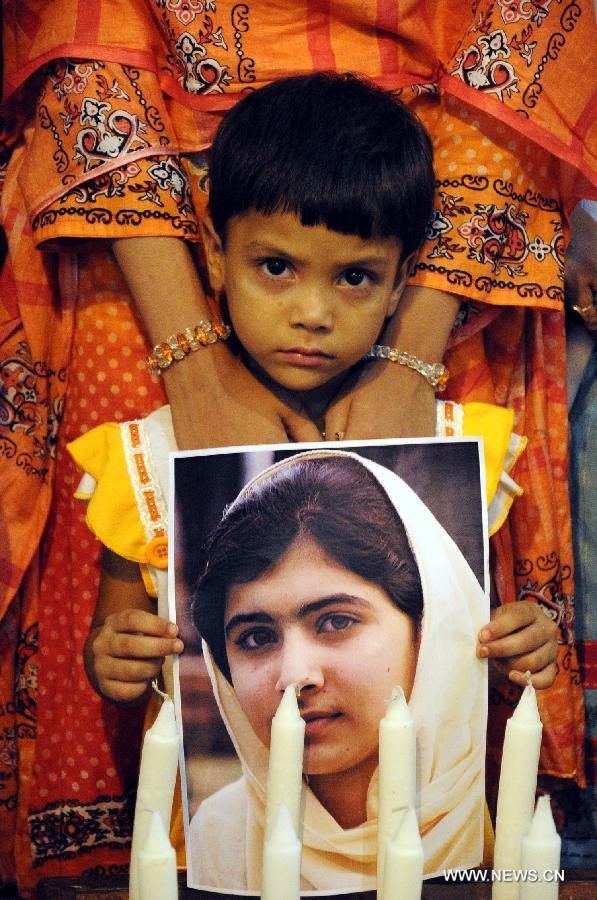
[305, 302]
[313, 622]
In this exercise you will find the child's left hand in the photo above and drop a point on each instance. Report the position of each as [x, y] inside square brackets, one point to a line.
[521, 638]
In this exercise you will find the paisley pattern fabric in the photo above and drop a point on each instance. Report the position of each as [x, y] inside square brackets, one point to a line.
[109, 108]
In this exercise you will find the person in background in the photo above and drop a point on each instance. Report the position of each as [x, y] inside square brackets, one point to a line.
[578, 806]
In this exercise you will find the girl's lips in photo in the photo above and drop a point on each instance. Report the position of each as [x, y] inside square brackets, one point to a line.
[310, 358]
[316, 723]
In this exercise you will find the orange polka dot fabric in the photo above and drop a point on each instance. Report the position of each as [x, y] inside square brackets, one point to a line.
[86, 749]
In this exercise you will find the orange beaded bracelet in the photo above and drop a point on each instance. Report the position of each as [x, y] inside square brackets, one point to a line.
[179, 345]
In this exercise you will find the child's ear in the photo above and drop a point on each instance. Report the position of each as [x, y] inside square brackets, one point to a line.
[214, 254]
[404, 270]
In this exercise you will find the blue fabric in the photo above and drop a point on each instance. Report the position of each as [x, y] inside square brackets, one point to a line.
[579, 840]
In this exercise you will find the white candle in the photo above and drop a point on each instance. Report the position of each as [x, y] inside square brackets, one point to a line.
[157, 864]
[403, 869]
[541, 853]
[281, 878]
[516, 794]
[397, 772]
[157, 777]
[285, 772]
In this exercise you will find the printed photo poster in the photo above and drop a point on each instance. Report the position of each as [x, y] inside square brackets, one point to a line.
[357, 571]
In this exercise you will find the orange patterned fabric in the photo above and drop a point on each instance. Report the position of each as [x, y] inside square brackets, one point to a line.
[509, 57]
[519, 360]
[120, 97]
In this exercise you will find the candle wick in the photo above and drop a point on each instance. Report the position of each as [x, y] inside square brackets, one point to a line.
[154, 685]
[396, 693]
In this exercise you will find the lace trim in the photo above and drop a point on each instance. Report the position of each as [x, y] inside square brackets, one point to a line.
[144, 480]
[449, 418]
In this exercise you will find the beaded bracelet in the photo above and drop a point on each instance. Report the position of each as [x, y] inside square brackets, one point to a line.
[179, 345]
[436, 374]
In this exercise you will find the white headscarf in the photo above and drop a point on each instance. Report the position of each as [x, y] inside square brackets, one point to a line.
[448, 704]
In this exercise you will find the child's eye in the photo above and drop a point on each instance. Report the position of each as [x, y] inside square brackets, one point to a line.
[333, 622]
[255, 638]
[357, 277]
[274, 266]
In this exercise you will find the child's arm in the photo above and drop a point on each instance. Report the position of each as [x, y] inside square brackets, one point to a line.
[520, 638]
[127, 642]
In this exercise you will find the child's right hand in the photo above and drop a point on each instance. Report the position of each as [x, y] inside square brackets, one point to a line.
[128, 651]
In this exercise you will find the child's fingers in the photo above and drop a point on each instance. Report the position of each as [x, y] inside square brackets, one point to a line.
[533, 662]
[525, 641]
[123, 691]
[141, 646]
[134, 621]
[126, 680]
[540, 680]
[508, 618]
[512, 637]
[132, 670]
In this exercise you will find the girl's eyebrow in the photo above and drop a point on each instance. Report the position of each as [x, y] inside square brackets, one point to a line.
[364, 262]
[305, 610]
[268, 248]
[373, 261]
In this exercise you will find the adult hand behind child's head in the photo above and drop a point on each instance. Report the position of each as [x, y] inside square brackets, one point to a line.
[217, 402]
[388, 401]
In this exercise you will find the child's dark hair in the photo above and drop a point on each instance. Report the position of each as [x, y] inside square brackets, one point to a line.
[333, 149]
[334, 501]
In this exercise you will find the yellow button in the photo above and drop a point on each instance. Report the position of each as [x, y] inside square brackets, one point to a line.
[157, 552]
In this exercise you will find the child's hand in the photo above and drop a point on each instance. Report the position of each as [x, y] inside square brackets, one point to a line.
[521, 638]
[128, 651]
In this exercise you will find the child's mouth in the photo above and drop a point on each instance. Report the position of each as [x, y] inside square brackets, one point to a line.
[307, 357]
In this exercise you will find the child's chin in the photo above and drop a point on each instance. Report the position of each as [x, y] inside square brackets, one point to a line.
[302, 379]
[312, 384]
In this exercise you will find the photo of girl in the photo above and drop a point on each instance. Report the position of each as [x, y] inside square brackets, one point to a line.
[328, 571]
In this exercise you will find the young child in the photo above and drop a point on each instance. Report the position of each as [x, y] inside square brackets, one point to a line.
[320, 191]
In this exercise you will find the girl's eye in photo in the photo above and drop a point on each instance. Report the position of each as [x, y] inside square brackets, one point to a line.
[357, 277]
[255, 639]
[334, 622]
[274, 266]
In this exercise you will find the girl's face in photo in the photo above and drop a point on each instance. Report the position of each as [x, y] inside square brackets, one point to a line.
[311, 621]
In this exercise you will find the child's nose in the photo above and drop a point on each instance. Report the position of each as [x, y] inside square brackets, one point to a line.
[312, 309]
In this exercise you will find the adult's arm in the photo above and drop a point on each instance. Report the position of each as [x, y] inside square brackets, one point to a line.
[215, 400]
[391, 400]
